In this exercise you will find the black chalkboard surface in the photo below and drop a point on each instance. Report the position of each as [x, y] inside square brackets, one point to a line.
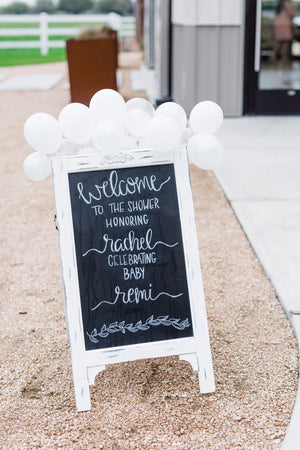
[130, 257]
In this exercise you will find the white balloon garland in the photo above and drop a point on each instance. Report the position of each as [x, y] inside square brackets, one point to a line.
[111, 125]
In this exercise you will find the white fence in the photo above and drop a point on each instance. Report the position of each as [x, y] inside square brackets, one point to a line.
[42, 29]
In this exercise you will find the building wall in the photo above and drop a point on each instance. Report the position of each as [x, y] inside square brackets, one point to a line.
[207, 48]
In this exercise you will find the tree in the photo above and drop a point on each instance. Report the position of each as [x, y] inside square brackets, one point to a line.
[75, 6]
[122, 7]
[17, 8]
[44, 6]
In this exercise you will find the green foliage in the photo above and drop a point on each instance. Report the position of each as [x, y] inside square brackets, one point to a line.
[75, 6]
[122, 7]
[44, 6]
[16, 56]
[16, 8]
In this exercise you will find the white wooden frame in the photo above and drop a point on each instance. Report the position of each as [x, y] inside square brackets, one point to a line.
[87, 364]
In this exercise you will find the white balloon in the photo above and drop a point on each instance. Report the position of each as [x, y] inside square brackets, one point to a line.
[136, 121]
[68, 148]
[140, 103]
[174, 110]
[162, 133]
[186, 135]
[77, 122]
[129, 143]
[43, 133]
[108, 136]
[205, 151]
[144, 144]
[108, 104]
[88, 150]
[206, 117]
[37, 167]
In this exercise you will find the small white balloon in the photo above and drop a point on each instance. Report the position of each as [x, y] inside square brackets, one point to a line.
[143, 143]
[37, 167]
[162, 133]
[205, 151]
[140, 103]
[206, 117]
[129, 143]
[108, 136]
[186, 135]
[174, 110]
[88, 150]
[77, 122]
[136, 121]
[43, 133]
[68, 148]
[108, 104]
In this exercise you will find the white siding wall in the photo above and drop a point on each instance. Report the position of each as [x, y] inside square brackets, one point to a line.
[208, 49]
[207, 12]
[207, 52]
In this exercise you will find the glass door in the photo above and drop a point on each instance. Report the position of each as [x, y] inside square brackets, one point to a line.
[272, 57]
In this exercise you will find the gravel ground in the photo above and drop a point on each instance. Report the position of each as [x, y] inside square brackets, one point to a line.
[149, 404]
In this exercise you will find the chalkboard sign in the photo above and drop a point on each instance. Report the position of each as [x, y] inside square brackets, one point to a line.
[130, 257]
[130, 264]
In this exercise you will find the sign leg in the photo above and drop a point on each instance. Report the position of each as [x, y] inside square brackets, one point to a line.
[206, 378]
[205, 372]
[82, 394]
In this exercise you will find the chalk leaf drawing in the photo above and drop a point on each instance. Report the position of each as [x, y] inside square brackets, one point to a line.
[116, 327]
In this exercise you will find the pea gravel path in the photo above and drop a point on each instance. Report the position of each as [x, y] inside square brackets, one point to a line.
[150, 404]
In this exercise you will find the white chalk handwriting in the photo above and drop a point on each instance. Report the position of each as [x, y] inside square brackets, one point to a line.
[125, 221]
[135, 295]
[113, 187]
[129, 243]
[131, 259]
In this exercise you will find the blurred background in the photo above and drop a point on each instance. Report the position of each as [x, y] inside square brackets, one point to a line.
[242, 54]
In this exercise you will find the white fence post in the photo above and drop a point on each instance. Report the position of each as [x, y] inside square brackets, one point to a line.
[44, 33]
[38, 27]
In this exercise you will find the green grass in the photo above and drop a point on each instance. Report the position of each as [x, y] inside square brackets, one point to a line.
[19, 38]
[19, 25]
[76, 25]
[34, 38]
[16, 56]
